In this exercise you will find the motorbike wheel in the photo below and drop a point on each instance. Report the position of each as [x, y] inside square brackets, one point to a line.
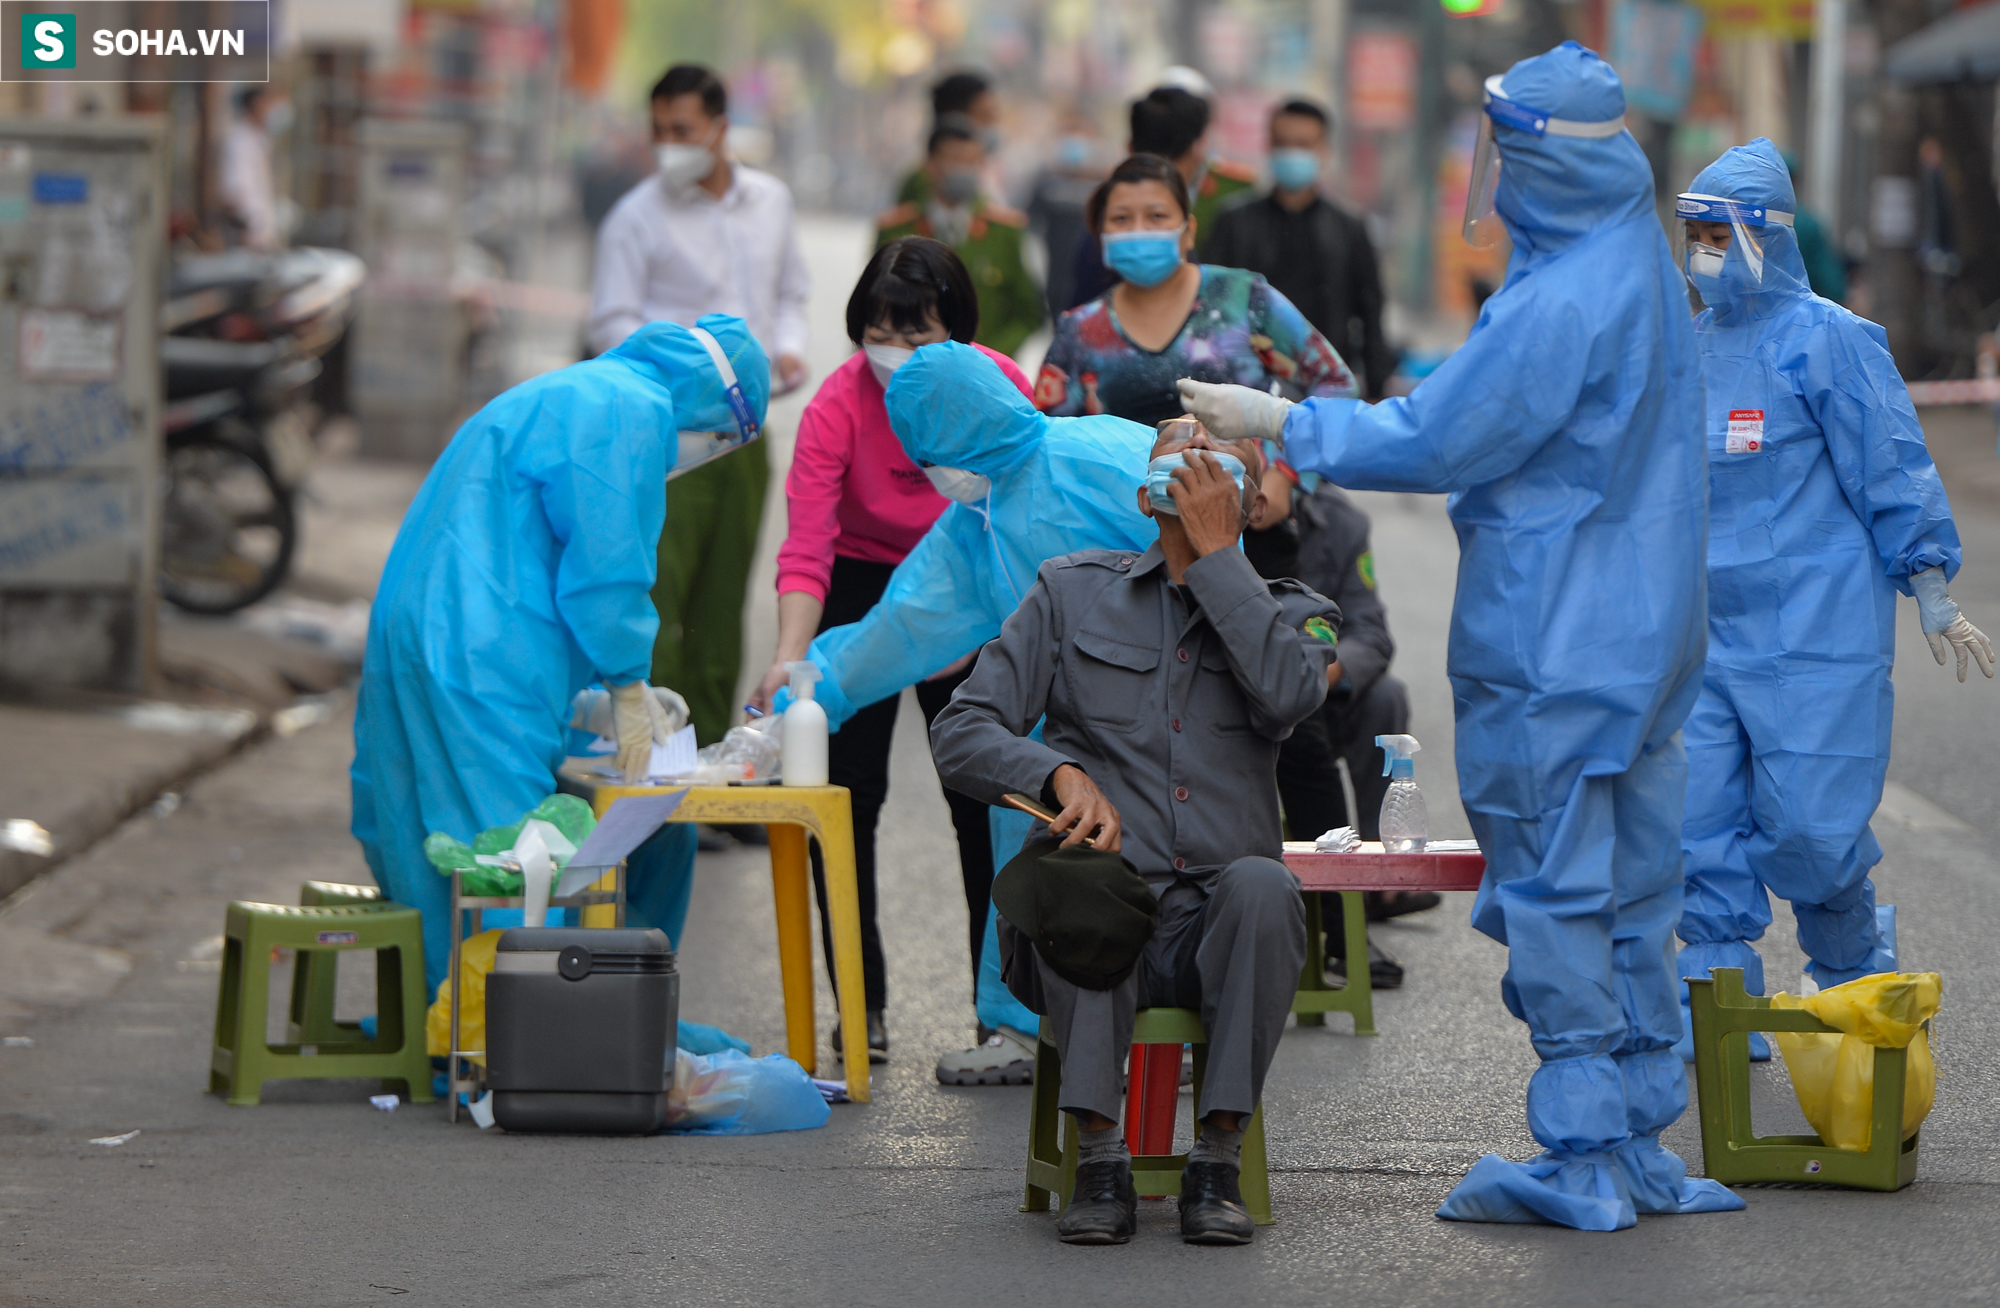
[227, 526]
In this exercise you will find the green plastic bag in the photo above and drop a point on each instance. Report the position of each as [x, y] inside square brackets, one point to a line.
[566, 813]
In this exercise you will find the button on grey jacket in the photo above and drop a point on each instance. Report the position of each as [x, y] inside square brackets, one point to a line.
[1175, 715]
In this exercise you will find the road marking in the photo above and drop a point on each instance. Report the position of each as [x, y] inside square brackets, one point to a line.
[1905, 808]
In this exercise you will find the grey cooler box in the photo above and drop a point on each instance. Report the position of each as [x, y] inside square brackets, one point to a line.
[580, 1028]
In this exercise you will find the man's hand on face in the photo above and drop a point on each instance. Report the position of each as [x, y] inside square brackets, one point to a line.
[1211, 505]
[1086, 814]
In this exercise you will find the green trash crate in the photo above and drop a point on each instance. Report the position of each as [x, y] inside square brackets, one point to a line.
[1723, 1018]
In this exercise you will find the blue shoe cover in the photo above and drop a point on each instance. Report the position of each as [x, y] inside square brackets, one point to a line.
[1582, 1193]
[1882, 958]
[1657, 1180]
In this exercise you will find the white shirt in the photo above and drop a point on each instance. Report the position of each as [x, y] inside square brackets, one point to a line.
[246, 183]
[675, 256]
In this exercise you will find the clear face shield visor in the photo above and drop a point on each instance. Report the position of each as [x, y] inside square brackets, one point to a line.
[699, 447]
[1710, 228]
[1483, 227]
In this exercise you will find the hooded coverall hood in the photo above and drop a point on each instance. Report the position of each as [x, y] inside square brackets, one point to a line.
[952, 407]
[679, 360]
[1756, 174]
[1555, 189]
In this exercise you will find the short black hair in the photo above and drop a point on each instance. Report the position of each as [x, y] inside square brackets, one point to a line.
[907, 281]
[249, 96]
[1138, 168]
[1168, 122]
[952, 127]
[693, 79]
[955, 93]
[1300, 107]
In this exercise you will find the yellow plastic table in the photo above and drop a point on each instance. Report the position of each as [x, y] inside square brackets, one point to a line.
[788, 813]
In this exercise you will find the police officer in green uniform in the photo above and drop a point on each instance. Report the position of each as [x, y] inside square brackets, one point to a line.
[966, 96]
[986, 236]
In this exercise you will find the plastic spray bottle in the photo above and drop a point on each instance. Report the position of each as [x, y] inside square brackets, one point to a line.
[802, 744]
[1406, 819]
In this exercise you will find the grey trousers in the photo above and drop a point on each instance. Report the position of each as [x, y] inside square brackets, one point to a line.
[1229, 944]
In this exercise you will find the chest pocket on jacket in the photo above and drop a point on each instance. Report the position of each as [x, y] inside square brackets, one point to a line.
[1217, 702]
[1114, 681]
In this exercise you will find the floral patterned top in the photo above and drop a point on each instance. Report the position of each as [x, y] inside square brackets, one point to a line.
[1239, 330]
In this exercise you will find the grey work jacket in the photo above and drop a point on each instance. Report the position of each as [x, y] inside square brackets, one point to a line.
[1175, 715]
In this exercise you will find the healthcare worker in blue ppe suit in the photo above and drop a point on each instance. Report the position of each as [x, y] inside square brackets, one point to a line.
[523, 573]
[1566, 431]
[1823, 506]
[1027, 488]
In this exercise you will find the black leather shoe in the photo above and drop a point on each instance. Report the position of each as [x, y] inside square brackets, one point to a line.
[1212, 1210]
[1385, 904]
[1384, 972]
[878, 1038]
[1104, 1209]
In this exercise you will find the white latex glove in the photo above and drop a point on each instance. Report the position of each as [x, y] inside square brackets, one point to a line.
[1966, 639]
[641, 723]
[1945, 626]
[591, 711]
[1235, 413]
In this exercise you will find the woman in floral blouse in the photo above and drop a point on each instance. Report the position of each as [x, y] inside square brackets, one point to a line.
[1167, 318]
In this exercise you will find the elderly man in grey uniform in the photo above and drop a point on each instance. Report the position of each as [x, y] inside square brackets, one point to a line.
[1167, 680]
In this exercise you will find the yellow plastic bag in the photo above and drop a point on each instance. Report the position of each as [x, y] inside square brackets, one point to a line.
[1834, 1075]
[475, 960]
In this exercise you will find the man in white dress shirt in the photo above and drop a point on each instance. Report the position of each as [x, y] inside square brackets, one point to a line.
[704, 234]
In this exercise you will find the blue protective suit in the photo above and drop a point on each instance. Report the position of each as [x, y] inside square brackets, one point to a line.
[1059, 485]
[1564, 430]
[1811, 536]
[521, 574]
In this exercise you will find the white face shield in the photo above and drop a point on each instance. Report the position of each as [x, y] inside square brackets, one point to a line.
[1703, 259]
[698, 447]
[1482, 220]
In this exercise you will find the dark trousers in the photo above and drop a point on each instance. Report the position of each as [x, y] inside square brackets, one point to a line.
[1309, 782]
[1229, 944]
[858, 758]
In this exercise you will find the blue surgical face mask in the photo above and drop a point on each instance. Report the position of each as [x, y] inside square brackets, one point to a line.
[1294, 170]
[1143, 258]
[1160, 475]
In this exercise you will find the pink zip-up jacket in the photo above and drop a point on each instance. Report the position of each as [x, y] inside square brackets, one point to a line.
[852, 490]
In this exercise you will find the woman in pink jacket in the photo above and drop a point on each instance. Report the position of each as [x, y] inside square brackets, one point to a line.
[857, 505]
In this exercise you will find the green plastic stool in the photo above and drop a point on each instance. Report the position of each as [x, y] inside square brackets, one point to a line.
[240, 1062]
[1723, 1017]
[315, 976]
[1317, 996]
[1052, 1167]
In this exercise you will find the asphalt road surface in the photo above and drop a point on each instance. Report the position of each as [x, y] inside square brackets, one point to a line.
[316, 1198]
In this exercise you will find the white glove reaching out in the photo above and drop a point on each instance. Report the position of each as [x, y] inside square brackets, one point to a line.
[1235, 413]
[1945, 626]
[640, 721]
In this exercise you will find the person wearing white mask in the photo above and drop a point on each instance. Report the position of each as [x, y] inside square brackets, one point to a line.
[857, 504]
[249, 197]
[705, 234]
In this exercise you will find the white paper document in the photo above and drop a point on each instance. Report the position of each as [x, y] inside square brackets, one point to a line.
[624, 827]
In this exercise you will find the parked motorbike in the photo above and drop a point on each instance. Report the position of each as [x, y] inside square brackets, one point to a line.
[245, 334]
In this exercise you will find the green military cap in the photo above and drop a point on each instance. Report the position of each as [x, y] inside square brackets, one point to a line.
[1088, 912]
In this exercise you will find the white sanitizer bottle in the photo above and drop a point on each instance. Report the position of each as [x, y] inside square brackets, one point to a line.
[802, 742]
[1406, 819]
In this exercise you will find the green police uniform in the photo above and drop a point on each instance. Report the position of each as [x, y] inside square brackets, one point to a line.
[916, 187]
[1223, 185]
[1010, 304]
[706, 550]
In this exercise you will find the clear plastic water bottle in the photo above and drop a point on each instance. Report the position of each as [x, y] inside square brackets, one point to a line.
[1406, 819]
